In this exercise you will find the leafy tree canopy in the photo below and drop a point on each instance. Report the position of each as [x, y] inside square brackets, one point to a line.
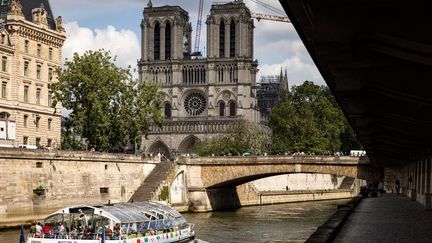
[108, 107]
[241, 137]
[308, 119]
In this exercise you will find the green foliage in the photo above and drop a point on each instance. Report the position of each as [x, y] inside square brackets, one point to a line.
[308, 119]
[40, 190]
[108, 107]
[242, 137]
[70, 143]
[164, 194]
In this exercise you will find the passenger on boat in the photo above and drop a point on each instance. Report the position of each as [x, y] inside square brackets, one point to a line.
[117, 232]
[61, 229]
[47, 229]
[38, 230]
[108, 231]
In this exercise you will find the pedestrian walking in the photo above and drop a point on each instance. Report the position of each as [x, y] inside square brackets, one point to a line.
[381, 187]
[397, 187]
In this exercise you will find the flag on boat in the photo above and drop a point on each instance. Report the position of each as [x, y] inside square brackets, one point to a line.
[103, 236]
[22, 240]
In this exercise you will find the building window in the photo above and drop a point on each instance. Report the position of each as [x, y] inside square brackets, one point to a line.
[233, 108]
[38, 96]
[232, 39]
[25, 140]
[37, 123]
[4, 89]
[50, 98]
[26, 91]
[39, 50]
[168, 41]
[5, 2]
[50, 74]
[38, 140]
[4, 64]
[49, 124]
[26, 69]
[157, 42]
[25, 120]
[50, 54]
[26, 46]
[167, 110]
[222, 39]
[103, 190]
[49, 142]
[38, 71]
[39, 164]
[222, 108]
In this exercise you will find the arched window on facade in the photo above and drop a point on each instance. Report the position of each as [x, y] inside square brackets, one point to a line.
[222, 39]
[232, 39]
[168, 41]
[168, 110]
[232, 108]
[156, 43]
[221, 108]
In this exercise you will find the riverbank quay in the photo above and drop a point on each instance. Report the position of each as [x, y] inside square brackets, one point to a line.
[389, 218]
[329, 230]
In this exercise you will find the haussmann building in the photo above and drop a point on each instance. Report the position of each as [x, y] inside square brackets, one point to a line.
[31, 41]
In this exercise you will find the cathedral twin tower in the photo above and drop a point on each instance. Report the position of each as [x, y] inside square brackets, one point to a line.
[202, 96]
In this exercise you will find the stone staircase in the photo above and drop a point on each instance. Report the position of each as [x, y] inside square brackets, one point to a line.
[347, 183]
[152, 185]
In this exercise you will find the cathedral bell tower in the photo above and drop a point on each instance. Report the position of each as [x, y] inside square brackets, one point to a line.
[166, 33]
[230, 31]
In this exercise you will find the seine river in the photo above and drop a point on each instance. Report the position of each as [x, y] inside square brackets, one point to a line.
[293, 222]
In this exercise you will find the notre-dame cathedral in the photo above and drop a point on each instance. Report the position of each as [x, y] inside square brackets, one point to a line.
[202, 96]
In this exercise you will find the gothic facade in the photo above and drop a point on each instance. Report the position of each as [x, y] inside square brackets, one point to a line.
[31, 41]
[203, 96]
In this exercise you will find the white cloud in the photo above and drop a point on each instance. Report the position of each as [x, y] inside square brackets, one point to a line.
[122, 43]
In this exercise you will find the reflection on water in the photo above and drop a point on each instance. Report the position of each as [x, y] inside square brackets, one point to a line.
[293, 222]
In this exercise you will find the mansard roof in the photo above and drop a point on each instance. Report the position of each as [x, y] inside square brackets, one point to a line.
[27, 7]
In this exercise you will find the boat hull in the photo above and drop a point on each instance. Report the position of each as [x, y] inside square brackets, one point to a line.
[182, 236]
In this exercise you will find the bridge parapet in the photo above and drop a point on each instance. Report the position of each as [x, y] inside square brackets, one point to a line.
[274, 160]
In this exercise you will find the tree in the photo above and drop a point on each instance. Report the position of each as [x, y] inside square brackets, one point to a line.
[107, 106]
[307, 119]
[242, 136]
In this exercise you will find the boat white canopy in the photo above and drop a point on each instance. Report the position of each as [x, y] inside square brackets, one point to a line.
[126, 212]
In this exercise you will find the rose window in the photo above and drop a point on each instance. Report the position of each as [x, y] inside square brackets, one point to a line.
[195, 104]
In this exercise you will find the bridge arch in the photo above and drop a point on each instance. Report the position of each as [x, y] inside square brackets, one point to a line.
[178, 188]
[234, 171]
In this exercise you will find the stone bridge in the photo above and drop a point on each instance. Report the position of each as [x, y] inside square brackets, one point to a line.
[209, 182]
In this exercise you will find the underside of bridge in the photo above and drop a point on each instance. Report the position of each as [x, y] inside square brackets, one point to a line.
[376, 57]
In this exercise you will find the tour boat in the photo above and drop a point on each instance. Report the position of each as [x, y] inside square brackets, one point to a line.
[142, 222]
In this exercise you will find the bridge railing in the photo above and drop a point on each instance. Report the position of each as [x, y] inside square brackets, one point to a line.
[296, 159]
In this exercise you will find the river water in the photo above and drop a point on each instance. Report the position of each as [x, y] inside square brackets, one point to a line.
[293, 222]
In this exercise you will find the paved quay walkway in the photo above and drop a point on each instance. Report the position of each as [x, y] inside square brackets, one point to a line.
[389, 218]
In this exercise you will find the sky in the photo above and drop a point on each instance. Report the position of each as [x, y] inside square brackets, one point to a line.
[114, 25]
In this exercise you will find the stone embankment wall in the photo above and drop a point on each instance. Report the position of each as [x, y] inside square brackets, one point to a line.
[68, 178]
[297, 182]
